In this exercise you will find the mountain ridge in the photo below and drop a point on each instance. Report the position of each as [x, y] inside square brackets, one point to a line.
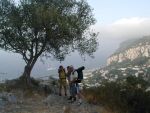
[134, 61]
[131, 50]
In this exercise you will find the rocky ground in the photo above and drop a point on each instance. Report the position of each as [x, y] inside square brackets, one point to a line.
[33, 101]
[16, 103]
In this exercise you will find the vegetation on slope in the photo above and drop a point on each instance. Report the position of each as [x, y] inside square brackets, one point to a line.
[126, 96]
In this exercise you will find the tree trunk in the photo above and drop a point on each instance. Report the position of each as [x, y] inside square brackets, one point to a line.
[27, 71]
[26, 74]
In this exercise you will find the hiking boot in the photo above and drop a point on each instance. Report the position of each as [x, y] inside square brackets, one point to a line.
[72, 101]
[70, 98]
[79, 103]
[59, 94]
[74, 98]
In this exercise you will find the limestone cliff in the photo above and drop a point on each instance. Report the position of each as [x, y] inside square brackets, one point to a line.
[138, 48]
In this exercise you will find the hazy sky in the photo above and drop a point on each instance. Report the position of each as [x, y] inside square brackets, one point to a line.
[117, 20]
[108, 11]
[122, 18]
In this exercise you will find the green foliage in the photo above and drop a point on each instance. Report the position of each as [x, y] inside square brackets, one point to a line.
[52, 26]
[115, 72]
[126, 96]
[120, 64]
[140, 61]
[21, 83]
[29, 91]
[3, 87]
[148, 74]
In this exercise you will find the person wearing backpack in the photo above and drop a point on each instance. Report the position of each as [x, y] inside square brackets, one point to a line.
[69, 81]
[72, 84]
[80, 74]
[62, 80]
[79, 83]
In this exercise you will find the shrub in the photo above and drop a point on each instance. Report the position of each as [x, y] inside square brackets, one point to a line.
[126, 96]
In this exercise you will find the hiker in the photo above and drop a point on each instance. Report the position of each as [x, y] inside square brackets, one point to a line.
[79, 84]
[72, 83]
[69, 81]
[62, 80]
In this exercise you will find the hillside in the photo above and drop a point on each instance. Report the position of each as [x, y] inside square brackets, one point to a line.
[132, 43]
[124, 84]
[131, 50]
[131, 58]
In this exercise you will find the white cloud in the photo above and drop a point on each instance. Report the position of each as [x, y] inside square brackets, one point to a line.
[126, 28]
[130, 21]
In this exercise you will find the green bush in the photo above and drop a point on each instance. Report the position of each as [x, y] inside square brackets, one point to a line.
[126, 96]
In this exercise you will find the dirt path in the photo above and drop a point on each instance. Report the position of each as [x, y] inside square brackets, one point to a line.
[49, 104]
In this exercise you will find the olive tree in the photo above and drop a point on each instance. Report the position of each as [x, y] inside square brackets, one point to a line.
[34, 28]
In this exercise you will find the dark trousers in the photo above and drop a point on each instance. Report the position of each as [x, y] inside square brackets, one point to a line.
[73, 89]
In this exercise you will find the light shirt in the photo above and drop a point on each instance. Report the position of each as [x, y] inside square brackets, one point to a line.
[73, 76]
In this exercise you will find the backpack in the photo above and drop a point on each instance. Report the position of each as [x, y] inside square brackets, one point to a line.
[80, 74]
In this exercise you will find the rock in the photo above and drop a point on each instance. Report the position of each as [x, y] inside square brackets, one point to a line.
[2, 103]
[55, 99]
[135, 50]
[7, 98]
[3, 99]
[12, 98]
